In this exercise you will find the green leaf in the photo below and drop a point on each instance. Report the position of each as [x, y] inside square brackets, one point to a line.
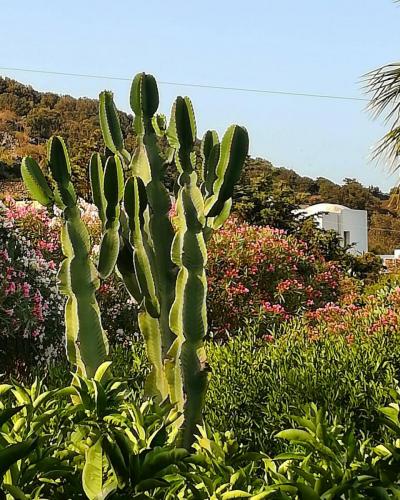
[15, 492]
[102, 371]
[306, 492]
[5, 388]
[15, 452]
[235, 494]
[296, 435]
[8, 413]
[35, 182]
[92, 475]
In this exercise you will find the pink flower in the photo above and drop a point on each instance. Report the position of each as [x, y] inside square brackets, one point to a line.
[268, 338]
[10, 288]
[26, 289]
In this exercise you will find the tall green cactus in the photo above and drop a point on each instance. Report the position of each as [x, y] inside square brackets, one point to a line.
[86, 342]
[162, 261]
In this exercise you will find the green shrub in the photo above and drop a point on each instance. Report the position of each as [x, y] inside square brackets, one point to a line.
[257, 384]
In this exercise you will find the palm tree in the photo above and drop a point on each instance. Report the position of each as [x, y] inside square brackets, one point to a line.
[383, 84]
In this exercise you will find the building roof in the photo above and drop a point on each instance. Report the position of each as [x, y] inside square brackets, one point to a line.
[324, 208]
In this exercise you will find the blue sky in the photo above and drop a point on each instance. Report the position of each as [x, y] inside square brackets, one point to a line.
[315, 46]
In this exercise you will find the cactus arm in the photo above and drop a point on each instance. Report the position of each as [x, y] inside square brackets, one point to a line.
[181, 133]
[79, 279]
[188, 318]
[96, 175]
[188, 315]
[148, 166]
[126, 269]
[110, 125]
[85, 339]
[210, 139]
[35, 182]
[113, 193]
[135, 203]
[234, 149]
[156, 382]
[218, 221]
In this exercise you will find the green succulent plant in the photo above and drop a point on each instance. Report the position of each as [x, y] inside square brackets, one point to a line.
[160, 258]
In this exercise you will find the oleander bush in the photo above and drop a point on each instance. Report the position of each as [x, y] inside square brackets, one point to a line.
[262, 273]
[30, 309]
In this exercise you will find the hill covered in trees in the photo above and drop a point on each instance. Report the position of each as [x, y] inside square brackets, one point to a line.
[266, 194]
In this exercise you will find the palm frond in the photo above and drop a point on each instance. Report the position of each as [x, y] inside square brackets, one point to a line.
[383, 85]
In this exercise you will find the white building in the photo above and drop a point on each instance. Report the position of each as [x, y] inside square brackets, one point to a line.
[351, 225]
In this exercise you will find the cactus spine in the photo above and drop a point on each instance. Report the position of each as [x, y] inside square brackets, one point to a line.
[86, 343]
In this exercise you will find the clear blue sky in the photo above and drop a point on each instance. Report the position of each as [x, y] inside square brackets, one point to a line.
[317, 46]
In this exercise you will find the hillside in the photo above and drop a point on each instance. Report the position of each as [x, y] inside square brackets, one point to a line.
[28, 118]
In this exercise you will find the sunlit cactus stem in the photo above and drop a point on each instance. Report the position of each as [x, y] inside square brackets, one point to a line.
[86, 343]
[163, 262]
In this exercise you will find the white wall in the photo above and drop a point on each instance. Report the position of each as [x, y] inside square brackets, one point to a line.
[354, 221]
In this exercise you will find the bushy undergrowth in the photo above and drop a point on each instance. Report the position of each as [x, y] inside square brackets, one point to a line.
[257, 385]
[104, 445]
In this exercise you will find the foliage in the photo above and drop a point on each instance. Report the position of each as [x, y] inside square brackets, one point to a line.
[257, 383]
[40, 115]
[265, 201]
[260, 272]
[103, 445]
[28, 118]
[30, 317]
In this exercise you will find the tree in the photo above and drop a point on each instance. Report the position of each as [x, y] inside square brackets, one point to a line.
[265, 201]
[43, 122]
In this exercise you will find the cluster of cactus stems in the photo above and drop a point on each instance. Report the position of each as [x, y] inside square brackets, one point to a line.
[161, 258]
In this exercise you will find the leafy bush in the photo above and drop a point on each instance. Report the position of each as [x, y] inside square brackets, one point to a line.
[103, 445]
[257, 384]
[260, 272]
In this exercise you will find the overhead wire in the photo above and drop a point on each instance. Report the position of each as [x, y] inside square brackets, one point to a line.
[195, 85]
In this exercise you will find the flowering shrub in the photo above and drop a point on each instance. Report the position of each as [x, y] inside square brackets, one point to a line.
[260, 272]
[31, 313]
[379, 313]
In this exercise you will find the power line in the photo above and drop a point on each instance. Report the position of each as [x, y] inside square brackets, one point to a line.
[196, 85]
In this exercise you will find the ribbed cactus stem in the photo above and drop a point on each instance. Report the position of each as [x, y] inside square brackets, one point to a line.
[86, 343]
[163, 262]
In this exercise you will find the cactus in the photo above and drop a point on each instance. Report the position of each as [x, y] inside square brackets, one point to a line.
[161, 261]
[86, 343]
